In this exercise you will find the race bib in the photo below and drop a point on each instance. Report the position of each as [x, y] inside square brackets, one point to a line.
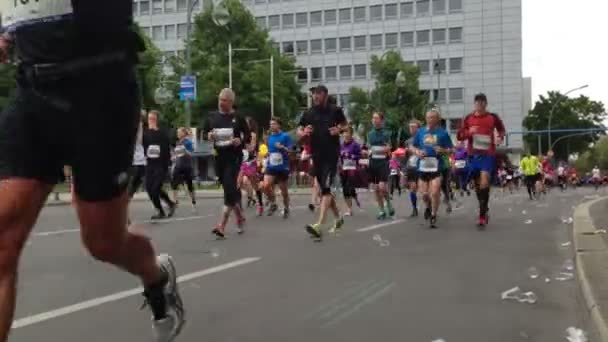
[364, 162]
[429, 164]
[412, 162]
[276, 159]
[223, 136]
[482, 142]
[509, 177]
[378, 152]
[245, 155]
[349, 164]
[394, 172]
[460, 164]
[153, 152]
[180, 151]
[22, 12]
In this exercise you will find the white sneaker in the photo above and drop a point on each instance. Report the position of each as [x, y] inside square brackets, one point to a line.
[165, 330]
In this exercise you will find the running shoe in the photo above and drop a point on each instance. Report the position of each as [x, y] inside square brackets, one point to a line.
[240, 225]
[260, 210]
[427, 213]
[273, 209]
[311, 207]
[218, 231]
[391, 211]
[285, 213]
[337, 226]
[433, 222]
[483, 221]
[314, 230]
[172, 209]
[381, 215]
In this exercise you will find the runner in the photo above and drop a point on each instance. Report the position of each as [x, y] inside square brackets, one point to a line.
[378, 141]
[158, 153]
[249, 178]
[323, 124]
[350, 153]
[446, 181]
[183, 172]
[530, 166]
[509, 179]
[412, 167]
[138, 169]
[429, 143]
[478, 129]
[460, 169]
[561, 176]
[395, 174]
[277, 170]
[229, 133]
[76, 79]
[596, 177]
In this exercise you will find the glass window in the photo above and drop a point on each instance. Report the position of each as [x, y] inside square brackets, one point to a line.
[287, 20]
[390, 11]
[303, 76]
[438, 36]
[288, 48]
[134, 9]
[440, 96]
[439, 66]
[407, 9]
[169, 6]
[261, 21]
[302, 19]
[144, 7]
[157, 6]
[455, 124]
[425, 67]
[391, 40]
[455, 6]
[422, 8]
[360, 71]
[331, 73]
[157, 33]
[274, 22]
[438, 7]
[456, 95]
[407, 39]
[346, 72]
[316, 74]
[455, 34]
[330, 17]
[182, 5]
[360, 14]
[375, 41]
[274, 1]
[422, 37]
[316, 46]
[360, 43]
[170, 32]
[455, 65]
[259, 2]
[316, 18]
[375, 12]
[182, 31]
[302, 47]
[345, 44]
[345, 16]
[330, 45]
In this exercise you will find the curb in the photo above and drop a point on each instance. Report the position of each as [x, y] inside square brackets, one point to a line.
[583, 223]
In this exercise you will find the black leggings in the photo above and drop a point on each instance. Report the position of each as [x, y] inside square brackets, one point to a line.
[182, 175]
[348, 188]
[395, 184]
[446, 181]
[227, 168]
[137, 178]
[155, 178]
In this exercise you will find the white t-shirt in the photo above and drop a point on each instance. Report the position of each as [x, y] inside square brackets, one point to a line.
[596, 173]
[139, 157]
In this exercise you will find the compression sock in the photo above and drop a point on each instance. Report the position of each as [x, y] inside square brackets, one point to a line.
[484, 198]
[258, 194]
[414, 199]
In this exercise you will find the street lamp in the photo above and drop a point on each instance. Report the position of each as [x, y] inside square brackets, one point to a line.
[555, 106]
[271, 60]
[230, 52]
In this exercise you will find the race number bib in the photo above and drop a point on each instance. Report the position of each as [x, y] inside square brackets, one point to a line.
[412, 162]
[349, 164]
[364, 162]
[276, 159]
[460, 164]
[482, 142]
[245, 155]
[153, 152]
[394, 172]
[223, 136]
[180, 151]
[378, 152]
[429, 164]
[22, 12]
[509, 177]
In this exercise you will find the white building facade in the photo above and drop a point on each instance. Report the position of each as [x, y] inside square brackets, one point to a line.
[462, 47]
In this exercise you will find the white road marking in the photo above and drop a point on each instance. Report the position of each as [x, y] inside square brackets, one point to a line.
[45, 316]
[381, 225]
[56, 232]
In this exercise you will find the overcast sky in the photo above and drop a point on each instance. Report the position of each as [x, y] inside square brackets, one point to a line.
[565, 45]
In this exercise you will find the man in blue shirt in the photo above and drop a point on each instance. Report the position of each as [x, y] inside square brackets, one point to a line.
[280, 145]
[429, 143]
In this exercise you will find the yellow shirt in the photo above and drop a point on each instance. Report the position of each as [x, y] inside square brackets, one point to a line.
[530, 165]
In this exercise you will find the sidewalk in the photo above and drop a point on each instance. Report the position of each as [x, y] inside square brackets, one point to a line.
[592, 260]
[66, 198]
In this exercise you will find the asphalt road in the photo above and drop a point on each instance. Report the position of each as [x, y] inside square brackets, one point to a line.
[275, 284]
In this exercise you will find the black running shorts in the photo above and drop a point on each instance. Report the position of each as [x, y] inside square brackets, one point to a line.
[279, 176]
[378, 172]
[325, 172]
[428, 176]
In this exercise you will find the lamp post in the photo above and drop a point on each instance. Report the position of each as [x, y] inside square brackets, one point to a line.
[553, 110]
[230, 52]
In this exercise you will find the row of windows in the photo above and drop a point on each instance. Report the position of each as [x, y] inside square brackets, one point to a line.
[161, 32]
[146, 7]
[357, 14]
[454, 95]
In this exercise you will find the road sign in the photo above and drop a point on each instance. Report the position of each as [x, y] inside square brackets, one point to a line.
[187, 91]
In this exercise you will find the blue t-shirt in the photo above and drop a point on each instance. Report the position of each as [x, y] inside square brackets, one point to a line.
[183, 159]
[426, 140]
[278, 159]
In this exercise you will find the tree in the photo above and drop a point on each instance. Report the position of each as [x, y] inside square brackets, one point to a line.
[149, 71]
[569, 113]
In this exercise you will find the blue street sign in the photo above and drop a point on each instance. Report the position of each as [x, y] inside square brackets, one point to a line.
[187, 91]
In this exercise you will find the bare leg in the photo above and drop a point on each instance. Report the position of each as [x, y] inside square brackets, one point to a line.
[284, 193]
[380, 196]
[435, 190]
[326, 202]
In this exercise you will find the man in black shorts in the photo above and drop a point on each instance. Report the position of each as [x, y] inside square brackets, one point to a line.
[322, 124]
[76, 84]
[379, 142]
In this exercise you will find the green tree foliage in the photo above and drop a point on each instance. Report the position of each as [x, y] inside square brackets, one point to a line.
[569, 113]
[149, 71]
[596, 155]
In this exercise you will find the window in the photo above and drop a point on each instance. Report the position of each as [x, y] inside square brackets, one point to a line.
[456, 95]
[170, 32]
[316, 18]
[424, 66]
[144, 7]
[455, 124]
[375, 12]
[407, 39]
[134, 9]
[455, 6]
[330, 17]
[422, 8]
[302, 19]
[390, 11]
[360, 43]
[438, 36]
[407, 9]
[375, 41]
[345, 44]
[346, 72]
[302, 47]
[439, 66]
[157, 6]
[287, 20]
[261, 21]
[440, 96]
[182, 5]
[438, 7]
[274, 22]
[391, 40]
[316, 46]
[303, 76]
[259, 2]
[288, 48]
[455, 34]
[169, 6]
[360, 14]
[330, 45]
[316, 74]
[274, 1]
[182, 31]
[344, 100]
[360, 71]
[455, 65]
[331, 73]
[345, 16]
[157, 33]
[422, 37]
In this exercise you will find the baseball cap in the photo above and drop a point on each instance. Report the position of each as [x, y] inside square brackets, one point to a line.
[319, 88]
